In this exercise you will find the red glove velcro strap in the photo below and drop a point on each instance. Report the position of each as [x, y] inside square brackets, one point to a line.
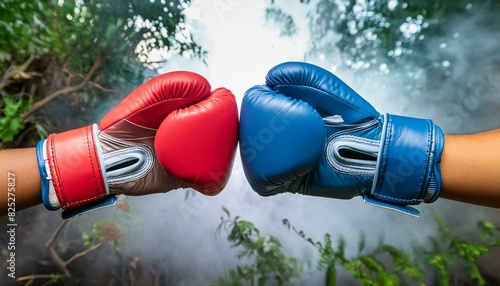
[74, 159]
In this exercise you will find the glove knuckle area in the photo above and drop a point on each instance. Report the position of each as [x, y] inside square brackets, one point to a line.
[151, 102]
[197, 144]
[280, 138]
[324, 91]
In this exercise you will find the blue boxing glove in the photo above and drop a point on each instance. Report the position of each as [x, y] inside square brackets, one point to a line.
[306, 131]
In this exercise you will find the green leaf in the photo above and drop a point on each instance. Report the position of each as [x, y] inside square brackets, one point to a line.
[42, 133]
[372, 264]
[226, 211]
[331, 275]
[26, 105]
[476, 274]
[11, 106]
[439, 264]
[266, 254]
[86, 239]
[7, 134]
[54, 277]
[16, 124]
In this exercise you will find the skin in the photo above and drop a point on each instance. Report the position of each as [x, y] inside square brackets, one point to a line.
[466, 176]
[470, 168]
[22, 169]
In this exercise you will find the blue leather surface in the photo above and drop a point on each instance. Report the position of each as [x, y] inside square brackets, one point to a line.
[392, 161]
[404, 165]
[321, 89]
[281, 139]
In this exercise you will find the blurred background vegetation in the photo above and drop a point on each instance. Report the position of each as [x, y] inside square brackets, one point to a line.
[65, 63]
[78, 54]
[436, 53]
[267, 262]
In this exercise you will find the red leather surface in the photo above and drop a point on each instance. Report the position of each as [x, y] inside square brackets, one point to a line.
[197, 139]
[75, 169]
[151, 102]
[197, 143]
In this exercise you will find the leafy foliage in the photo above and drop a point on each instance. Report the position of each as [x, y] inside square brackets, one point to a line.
[97, 47]
[406, 39]
[24, 22]
[449, 250]
[269, 261]
[279, 18]
[366, 267]
[383, 265]
[104, 231]
[10, 116]
[89, 27]
[369, 33]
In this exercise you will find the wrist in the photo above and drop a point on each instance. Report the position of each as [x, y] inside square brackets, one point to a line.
[408, 165]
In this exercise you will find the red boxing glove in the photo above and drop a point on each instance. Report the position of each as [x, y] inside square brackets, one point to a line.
[171, 132]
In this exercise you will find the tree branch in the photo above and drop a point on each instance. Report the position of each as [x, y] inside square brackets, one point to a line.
[79, 254]
[13, 69]
[35, 276]
[56, 233]
[61, 264]
[100, 87]
[53, 254]
[39, 104]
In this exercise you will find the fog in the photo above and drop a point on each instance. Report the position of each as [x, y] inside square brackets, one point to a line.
[242, 46]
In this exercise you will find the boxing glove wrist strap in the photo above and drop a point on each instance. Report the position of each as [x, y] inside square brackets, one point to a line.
[403, 163]
[71, 170]
[407, 170]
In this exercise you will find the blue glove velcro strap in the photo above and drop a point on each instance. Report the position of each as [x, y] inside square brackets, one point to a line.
[407, 169]
[43, 176]
[393, 207]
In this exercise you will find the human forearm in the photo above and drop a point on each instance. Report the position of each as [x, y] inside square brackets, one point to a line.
[470, 168]
[19, 179]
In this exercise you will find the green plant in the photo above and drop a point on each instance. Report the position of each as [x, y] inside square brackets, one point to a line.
[450, 250]
[104, 231]
[268, 259]
[84, 51]
[101, 233]
[370, 268]
[447, 252]
[11, 121]
[383, 264]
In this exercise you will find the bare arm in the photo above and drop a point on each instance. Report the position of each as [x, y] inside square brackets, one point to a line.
[470, 167]
[19, 176]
